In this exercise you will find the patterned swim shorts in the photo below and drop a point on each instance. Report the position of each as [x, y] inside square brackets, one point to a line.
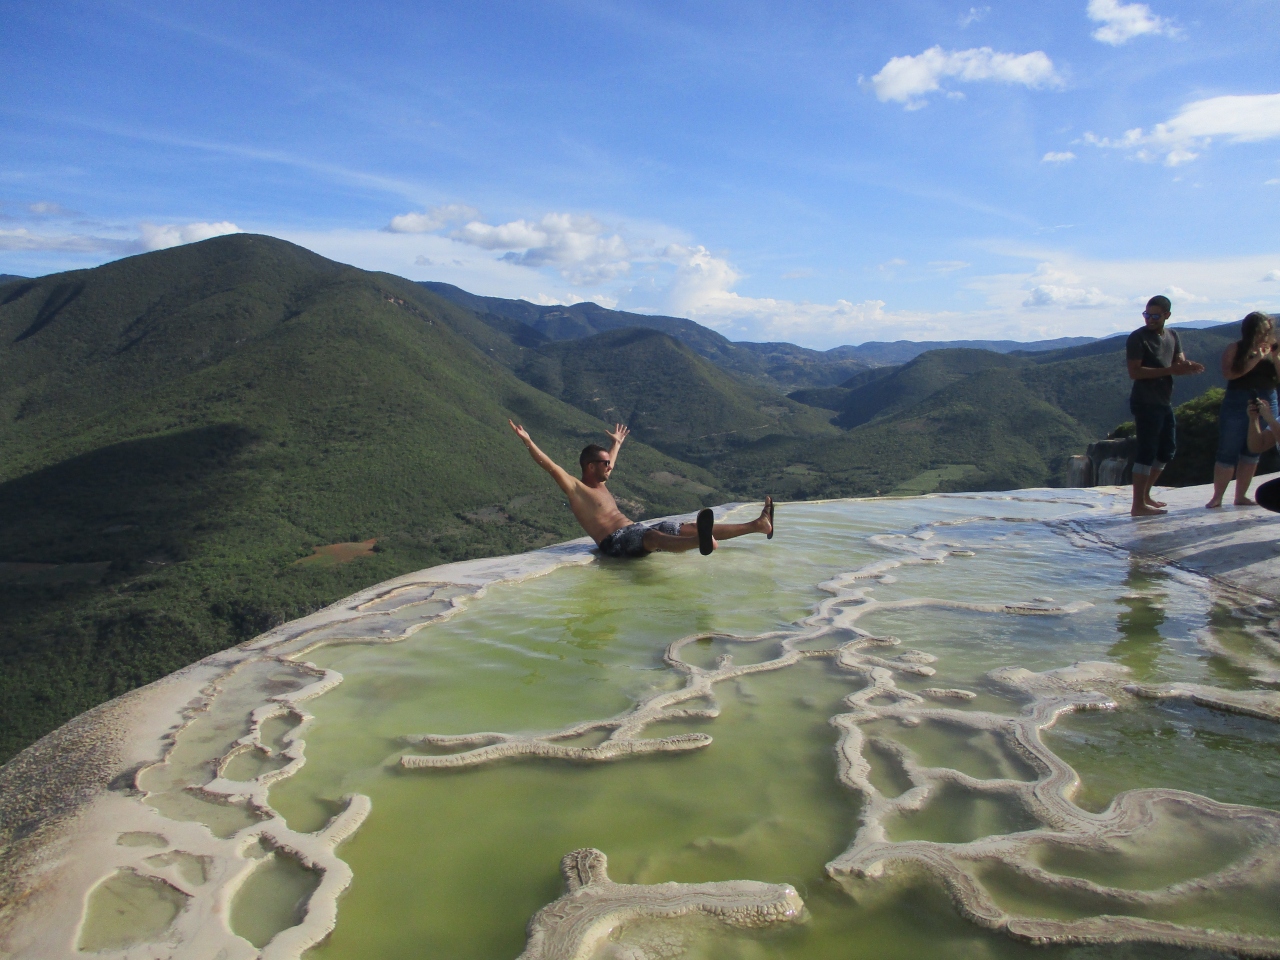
[629, 541]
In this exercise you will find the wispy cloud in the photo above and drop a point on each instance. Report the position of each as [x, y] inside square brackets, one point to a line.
[1240, 119]
[1121, 22]
[1270, 276]
[1053, 287]
[46, 208]
[907, 80]
[974, 15]
[150, 237]
[1065, 156]
[23, 239]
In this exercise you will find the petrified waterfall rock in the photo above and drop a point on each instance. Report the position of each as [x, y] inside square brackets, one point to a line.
[1105, 463]
[1080, 471]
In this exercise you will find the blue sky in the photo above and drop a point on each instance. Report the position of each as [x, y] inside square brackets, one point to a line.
[814, 172]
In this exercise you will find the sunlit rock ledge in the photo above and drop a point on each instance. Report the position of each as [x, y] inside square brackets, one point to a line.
[164, 792]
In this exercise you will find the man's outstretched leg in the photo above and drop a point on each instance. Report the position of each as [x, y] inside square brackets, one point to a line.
[687, 539]
[761, 524]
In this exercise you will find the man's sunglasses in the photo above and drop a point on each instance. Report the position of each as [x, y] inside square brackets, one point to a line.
[598, 461]
[1148, 315]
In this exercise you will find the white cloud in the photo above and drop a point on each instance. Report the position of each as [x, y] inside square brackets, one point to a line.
[579, 246]
[1064, 294]
[948, 266]
[1271, 275]
[974, 15]
[1121, 22]
[1065, 156]
[161, 236]
[907, 79]
[433, 219]
[1241, 119]
[1273, 182]
[1051, 286]
[702, 289]
[1077, 298]
[1178, 295]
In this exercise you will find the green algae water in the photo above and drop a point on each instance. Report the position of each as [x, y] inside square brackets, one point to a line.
[454, 862]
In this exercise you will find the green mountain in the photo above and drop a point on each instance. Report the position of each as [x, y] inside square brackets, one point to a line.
[913, 382]
[780, 365]
[985, 431]
[1090, 382]
[883, 353]
[653, 382]
[178, 429]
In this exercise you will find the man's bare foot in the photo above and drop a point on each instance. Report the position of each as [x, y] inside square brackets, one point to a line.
[1144, 511]
[1213, 504]
[1155, 503]
[766, 519]
[1246, 502]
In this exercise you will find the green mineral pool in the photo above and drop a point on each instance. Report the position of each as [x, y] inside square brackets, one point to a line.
[880, 756]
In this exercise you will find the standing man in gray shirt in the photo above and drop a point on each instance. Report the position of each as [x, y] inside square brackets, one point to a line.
[1155, 357]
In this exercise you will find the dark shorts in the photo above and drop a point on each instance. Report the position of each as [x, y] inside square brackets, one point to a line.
[1156, 436]
[1233, 426]
[629, 541]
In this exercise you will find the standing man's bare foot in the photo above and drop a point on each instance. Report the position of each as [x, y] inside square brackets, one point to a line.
[1246, 502]
[1213, 504]
[1158, 504]
[1145, 511]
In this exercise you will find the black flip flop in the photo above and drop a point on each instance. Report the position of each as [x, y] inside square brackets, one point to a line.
[706, 525]
[769, 510]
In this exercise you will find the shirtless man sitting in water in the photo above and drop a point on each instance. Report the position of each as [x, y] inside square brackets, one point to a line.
[594, 507]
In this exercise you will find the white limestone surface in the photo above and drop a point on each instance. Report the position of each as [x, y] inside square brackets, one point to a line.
[1238, 546]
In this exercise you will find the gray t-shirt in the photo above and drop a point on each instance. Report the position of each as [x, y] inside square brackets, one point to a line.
[1154, 350]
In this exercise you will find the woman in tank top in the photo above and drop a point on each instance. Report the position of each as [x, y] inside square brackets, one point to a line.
[1252, 368]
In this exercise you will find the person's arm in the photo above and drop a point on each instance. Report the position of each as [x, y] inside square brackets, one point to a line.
[1251, 359]
[561, 476]
[1261, 439]
[618, 433]
[1180, 367]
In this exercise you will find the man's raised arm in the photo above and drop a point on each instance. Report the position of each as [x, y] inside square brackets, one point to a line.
[558, 473]
[619, 433]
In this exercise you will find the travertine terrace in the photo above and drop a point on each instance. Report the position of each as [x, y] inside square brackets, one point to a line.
[163, 795]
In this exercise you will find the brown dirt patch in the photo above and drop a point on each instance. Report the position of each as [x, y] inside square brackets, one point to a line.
[340, 552]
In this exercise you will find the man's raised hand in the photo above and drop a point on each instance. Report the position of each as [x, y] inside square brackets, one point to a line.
[619, 432]
[521, 432]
